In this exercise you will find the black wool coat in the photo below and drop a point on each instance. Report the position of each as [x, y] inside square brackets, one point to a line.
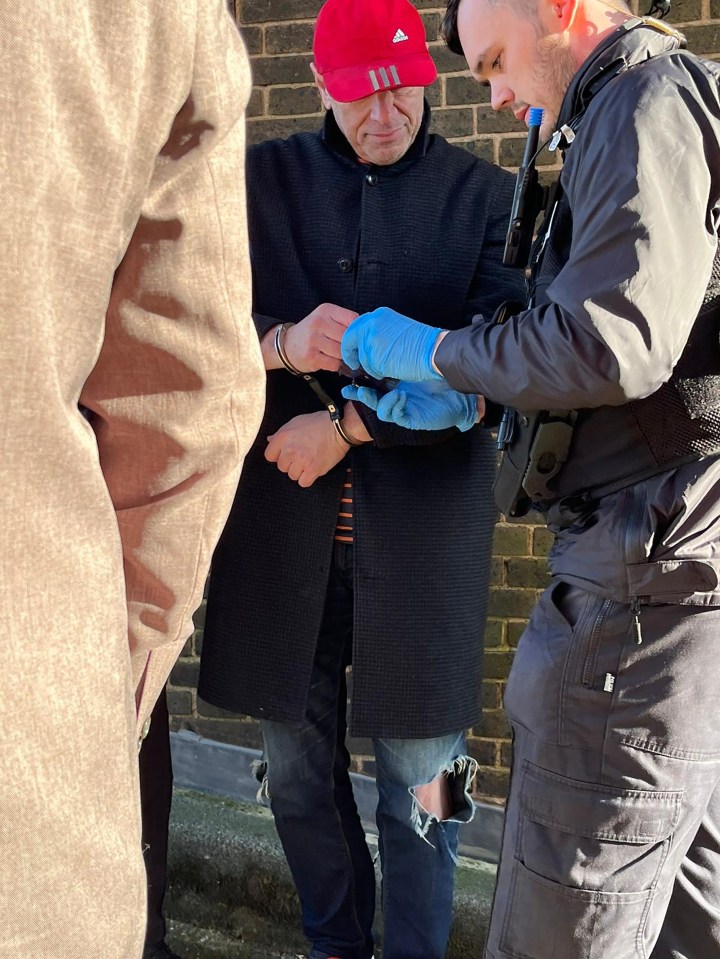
[424, 236]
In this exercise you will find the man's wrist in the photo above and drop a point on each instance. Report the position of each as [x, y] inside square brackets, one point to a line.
[271, 360]
[344, 436]
[354, 427]
[280, 334]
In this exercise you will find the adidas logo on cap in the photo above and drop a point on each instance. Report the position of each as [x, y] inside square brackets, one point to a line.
[400, 36]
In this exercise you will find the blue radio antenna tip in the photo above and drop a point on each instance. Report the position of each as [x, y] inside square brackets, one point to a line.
[534, 117]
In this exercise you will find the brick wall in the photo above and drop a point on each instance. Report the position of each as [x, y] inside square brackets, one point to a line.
[278, 34]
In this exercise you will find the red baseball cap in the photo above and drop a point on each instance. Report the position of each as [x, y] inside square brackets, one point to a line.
[364, 46]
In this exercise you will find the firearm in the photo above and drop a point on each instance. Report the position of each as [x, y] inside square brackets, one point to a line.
[528, 200]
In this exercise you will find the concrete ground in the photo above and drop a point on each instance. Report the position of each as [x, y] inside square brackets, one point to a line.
[231, 896]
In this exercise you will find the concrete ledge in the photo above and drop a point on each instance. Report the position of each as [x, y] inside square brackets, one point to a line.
[231, 895]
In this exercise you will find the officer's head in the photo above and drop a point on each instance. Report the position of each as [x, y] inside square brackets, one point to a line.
[527, 51]
[371, 66]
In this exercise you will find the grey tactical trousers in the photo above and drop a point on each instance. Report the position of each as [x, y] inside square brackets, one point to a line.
[611, 847]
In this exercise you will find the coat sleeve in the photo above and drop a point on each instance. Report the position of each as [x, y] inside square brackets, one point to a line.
[492, 284]
[178, 389]
[642, 193]
[264, 323]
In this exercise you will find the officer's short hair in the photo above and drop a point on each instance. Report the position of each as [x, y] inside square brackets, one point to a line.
[449, 30]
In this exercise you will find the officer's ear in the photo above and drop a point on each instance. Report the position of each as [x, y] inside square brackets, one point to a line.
[558, 15]
[320, 84]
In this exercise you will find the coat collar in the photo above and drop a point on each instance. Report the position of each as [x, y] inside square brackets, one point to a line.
[634, 42]
[336, 141]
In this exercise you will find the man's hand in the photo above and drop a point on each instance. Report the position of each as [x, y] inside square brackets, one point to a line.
[387, 344]
[314, 343]
[422, 406]
[306, 447]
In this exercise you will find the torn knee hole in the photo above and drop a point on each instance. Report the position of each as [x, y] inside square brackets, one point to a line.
[447, 797]
[435, 797]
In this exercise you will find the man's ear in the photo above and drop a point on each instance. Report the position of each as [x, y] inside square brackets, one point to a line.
[558, 15]
[320, 84]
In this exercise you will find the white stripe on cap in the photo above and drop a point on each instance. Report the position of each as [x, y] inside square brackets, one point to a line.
[387, 81]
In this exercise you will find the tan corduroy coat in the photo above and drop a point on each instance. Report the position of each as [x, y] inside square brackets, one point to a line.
[124, 286]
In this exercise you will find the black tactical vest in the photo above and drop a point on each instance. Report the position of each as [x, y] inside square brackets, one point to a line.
[615, 446]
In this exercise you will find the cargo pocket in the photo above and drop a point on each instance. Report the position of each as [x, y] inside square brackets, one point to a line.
[587, 861]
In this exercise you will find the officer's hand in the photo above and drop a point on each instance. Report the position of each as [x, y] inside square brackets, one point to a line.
[422, 406]
[314, 342]
[306, 447]
[387, 344]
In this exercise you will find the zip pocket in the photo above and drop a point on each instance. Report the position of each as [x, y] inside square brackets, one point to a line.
[593, 646]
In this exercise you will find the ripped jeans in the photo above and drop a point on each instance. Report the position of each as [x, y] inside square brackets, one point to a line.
[317, 820]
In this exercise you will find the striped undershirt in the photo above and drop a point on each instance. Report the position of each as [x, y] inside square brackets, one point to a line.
[344, 528]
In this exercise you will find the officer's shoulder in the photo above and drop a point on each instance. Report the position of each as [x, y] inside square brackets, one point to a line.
[460, 161]
[669, 75]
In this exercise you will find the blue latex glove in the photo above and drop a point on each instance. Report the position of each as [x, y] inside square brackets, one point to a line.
[419, 406]
[387, 344]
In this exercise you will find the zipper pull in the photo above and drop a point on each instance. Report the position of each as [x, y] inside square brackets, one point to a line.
[635, 610]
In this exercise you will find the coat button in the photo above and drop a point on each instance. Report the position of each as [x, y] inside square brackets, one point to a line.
[345, 264]
[372, 178]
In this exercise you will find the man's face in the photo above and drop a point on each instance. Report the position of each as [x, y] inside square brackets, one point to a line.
[380, 128]
[526, 62]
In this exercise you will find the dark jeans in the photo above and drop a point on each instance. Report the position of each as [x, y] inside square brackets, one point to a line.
[312, 801]
[612, 834]
[156, 780]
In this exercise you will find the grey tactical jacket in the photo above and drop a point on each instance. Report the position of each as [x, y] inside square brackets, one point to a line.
[642, 178]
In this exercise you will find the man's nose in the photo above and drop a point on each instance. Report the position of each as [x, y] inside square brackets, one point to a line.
[383, 106]
[501, 97]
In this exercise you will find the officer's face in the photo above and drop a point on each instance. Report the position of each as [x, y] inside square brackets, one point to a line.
[520, 53]
[380, 128]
